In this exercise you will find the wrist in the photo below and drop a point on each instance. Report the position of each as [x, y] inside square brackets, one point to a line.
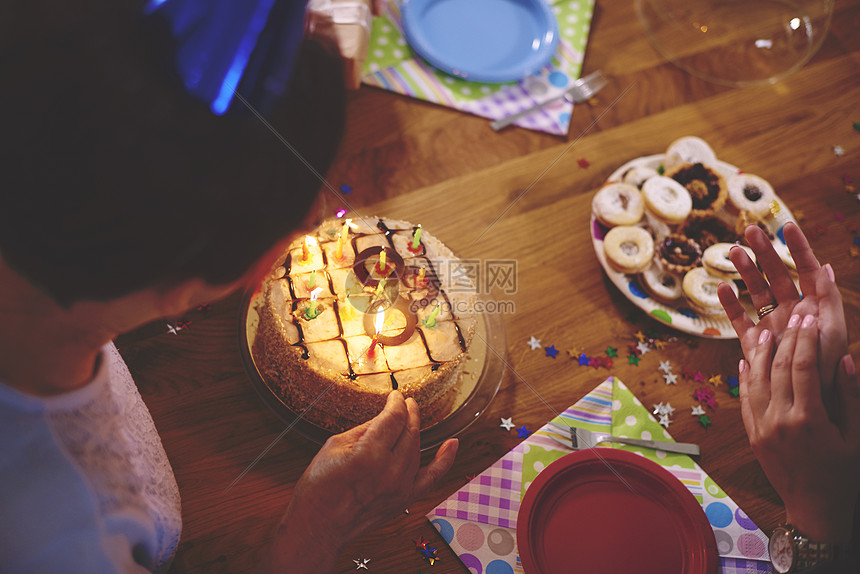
[829, 527]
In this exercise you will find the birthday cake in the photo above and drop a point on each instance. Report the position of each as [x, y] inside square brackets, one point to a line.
[358, 308]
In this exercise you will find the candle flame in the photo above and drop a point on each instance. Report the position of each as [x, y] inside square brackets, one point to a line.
[380, 320]
[315, 293]
[310, 240]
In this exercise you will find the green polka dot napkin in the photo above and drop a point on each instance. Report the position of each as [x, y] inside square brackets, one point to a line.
[392, 65]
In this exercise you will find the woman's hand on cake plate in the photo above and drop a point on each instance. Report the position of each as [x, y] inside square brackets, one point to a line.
[360, 478]
[820, 297]
[812, 462]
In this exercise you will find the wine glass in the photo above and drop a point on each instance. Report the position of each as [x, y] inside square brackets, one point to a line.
[736, 42]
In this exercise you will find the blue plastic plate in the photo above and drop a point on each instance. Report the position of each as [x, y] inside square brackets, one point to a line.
[482, 40]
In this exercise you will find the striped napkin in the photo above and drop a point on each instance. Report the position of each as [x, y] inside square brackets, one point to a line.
[479, 521]
[391, 65]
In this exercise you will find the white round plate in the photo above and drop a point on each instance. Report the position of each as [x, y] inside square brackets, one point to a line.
[680, 315]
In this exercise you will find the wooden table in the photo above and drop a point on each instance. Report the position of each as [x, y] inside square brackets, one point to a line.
[449, 171]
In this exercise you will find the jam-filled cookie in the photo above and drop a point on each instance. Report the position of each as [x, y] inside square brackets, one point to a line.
[716, 261]
[707, 188]
[678, 253]
[628, 249]
[618, 204]
[662, 285]
[748, 192]
[689, 149]
[700, 288]
[709, 230]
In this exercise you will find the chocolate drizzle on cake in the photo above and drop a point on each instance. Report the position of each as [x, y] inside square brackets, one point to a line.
[404, 276]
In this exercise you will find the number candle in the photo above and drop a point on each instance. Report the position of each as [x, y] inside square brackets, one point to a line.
[382, 264]
[420, 276]
[416, 239]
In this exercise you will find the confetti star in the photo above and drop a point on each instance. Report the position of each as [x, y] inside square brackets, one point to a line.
[660, 344]
[658, 408]
[735, 392]
[664, 420]
[697, 411]
[699, 377]
[643, 347]
[583, 360]
[573, 352]
[551, 351]
[857, 126]
[523, 432]
[705, 421]
[429, 555]
[838, 150]
[632, 359]
[361, 562]
[611, 352]
[640, 336]
[346, 189]
[507, 424]
[669, 410]
[665, 366]
[204, 308]
[583, 163]
[671, 378]
[173, 329]
[534, 343]
[420, 543]
[183, 324]
[732, 382]
[716, 380]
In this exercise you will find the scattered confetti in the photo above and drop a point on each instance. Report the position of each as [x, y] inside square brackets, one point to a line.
[420, 543]
[671, 378]
[665, 421]
[174, 329]
[534, 343]
[583, 360]
[838, 216]
[573, 352]
[658, 408]
[698, 411]
[732, 382]
[735, 392]
[699, 377]
[857, 126]
[665, 366]
[633, 359]
[523, 432]
[611, 352]
[705, 395]
[204, 308]
[838, 150]
[716, 380]
[643, 348]
[183, 324]
[583, 163]
[640, 336]
[361, 562]
[507, 424]
[470, 477]
[346, 189]
[429, 555]
[705, 421]
[660, 344]
[551, 351]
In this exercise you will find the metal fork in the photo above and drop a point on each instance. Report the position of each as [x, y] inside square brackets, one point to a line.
[582, 439]
[581, 90]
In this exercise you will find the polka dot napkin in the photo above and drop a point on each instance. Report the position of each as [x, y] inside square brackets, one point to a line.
[391, 65]
[479, 521]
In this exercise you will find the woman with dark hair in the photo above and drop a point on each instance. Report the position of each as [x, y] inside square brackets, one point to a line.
[127, 198]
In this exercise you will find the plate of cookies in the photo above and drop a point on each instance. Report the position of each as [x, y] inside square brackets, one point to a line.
[662, 226]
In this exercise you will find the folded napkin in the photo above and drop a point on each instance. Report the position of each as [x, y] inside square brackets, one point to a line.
[479, 521]
[391, 65]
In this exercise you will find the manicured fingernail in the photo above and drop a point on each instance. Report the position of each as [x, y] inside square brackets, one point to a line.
[742, 366]
[808, 321]
[793, 321]
[848, 364]
[830, 273]
[764, 337]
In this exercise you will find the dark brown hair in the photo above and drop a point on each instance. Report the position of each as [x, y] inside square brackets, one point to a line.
[115, 179]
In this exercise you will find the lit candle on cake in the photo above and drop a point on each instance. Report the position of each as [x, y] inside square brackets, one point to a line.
[312, 281]
[430, 321]
[341, 238]
[416, 240]
[380, 321]
[313, 310]
[420, 279]
[306, 250]
[382, 264]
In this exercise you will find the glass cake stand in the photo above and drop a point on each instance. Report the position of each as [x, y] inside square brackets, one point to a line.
[478, 383]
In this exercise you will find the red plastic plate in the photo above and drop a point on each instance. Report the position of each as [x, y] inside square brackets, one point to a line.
[611, 511]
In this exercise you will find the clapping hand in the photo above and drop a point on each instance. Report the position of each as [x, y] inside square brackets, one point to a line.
[820, 298]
